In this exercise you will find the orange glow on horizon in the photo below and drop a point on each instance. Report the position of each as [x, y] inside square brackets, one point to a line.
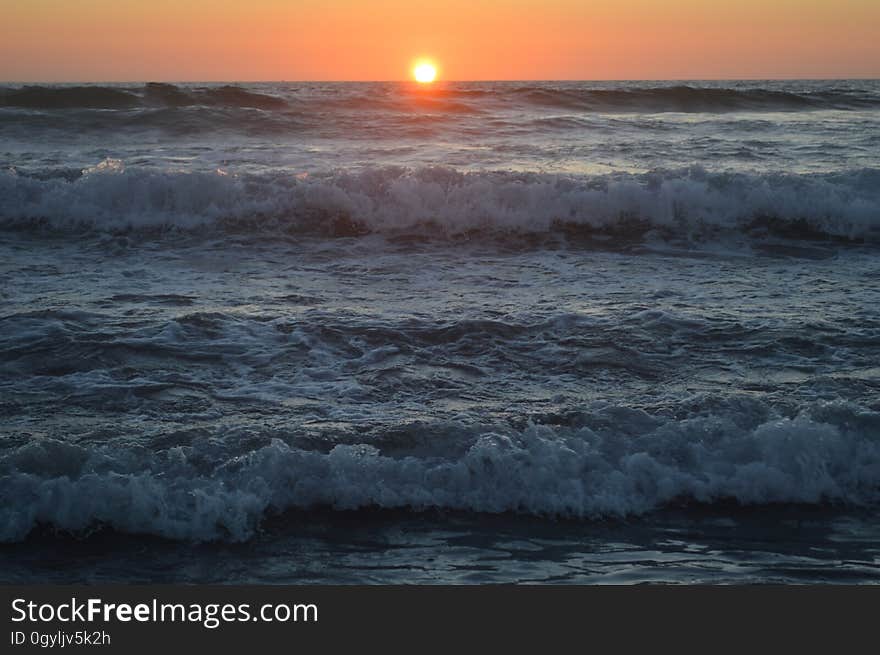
[249, 40]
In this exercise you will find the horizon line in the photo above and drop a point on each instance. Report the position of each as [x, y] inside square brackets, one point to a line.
[441, 81]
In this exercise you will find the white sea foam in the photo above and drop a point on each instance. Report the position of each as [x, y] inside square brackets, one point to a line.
[109, 198]
[828, 453]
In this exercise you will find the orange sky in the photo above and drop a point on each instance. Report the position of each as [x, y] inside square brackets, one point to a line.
[105, 40]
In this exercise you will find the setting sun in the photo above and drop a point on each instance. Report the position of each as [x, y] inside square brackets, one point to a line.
[425, 72]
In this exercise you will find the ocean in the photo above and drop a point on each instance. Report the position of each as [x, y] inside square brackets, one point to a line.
[564, 332]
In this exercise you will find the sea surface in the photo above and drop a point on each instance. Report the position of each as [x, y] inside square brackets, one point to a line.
[460, 333]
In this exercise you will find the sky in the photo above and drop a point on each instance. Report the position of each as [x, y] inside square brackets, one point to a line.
[244, 40]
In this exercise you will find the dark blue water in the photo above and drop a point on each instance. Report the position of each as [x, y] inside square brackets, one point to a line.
[571, 332]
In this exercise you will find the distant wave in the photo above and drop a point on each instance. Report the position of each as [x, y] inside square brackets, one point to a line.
[638, 463]
[154, 94]
[453, 98]
[443, 202]
[87, 97]
[694, 99]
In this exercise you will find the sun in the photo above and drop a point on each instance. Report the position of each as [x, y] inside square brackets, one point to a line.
[425, 72]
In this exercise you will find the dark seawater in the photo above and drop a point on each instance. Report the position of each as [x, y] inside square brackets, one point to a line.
[477, 332]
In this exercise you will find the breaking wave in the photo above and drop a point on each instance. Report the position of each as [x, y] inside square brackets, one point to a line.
[443, 202]
[825, 454]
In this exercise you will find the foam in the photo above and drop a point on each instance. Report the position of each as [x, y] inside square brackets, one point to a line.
[439, 200]
[825, 454]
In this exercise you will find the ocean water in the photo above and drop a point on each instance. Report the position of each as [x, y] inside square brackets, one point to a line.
[472, 332]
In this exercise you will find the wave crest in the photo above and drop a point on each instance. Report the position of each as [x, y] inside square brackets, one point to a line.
[444, 202]
[829, 454]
